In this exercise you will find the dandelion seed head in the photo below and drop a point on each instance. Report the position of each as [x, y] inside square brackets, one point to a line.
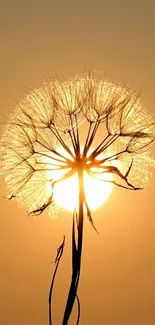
[51, 117]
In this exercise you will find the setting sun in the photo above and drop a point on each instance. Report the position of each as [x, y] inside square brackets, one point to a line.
[96, 191]
[66, 191]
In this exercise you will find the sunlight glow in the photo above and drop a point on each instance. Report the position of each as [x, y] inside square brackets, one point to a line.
[96, 191]
[66, 191]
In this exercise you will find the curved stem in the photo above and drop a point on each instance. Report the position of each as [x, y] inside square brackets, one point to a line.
[76, 251]
[57, 261]
[78, 303]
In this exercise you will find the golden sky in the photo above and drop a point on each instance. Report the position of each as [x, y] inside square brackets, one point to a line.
[117, 287]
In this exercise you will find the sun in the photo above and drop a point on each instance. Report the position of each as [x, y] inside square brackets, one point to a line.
[65, 192]
[96, 191]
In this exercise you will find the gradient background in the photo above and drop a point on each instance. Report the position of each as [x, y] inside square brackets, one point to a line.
[117, 287]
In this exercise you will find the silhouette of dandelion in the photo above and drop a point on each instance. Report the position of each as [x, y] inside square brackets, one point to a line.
[49, 119]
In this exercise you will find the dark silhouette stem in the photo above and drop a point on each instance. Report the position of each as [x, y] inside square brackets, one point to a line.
[78, 304]
[76, 251]
[57, 261]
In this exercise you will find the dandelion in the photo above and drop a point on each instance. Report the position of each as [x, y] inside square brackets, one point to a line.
[42, 145]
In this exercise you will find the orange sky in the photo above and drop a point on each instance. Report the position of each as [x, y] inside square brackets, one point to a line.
[117, 286]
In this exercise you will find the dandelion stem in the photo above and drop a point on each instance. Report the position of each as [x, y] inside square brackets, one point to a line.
[101, 147]
[51, 157]
[73, 140]
[57, 261]
[76, 251]
[77, 135]
[78, 304]
[89, 142]
[88, 134]
[59, 138]
[72, 123]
